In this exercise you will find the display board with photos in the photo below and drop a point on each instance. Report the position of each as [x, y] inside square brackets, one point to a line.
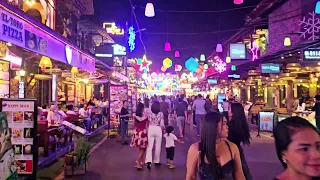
[117, 95]
[22, 123]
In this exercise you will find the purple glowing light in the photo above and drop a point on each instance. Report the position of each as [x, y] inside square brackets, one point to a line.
[255, 51]
[220, 66]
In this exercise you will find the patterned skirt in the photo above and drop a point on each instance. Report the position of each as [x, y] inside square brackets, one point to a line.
[139, 138]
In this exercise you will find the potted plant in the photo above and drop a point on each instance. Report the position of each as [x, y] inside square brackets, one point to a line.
[82, 152]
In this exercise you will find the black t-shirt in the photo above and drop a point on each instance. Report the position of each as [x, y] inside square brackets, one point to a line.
[180, 108]
[124, 111]
[316, 108]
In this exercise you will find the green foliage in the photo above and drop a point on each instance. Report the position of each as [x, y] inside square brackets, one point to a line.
[83, 149]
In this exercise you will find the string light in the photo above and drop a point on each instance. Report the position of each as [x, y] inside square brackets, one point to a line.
[132, 38]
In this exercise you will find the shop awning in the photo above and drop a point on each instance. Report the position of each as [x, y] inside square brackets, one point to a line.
[51, 44]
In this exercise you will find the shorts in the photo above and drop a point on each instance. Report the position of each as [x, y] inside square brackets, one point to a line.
[170, 153]
[180, 121]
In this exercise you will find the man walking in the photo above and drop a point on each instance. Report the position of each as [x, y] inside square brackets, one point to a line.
[225, 107]
[165, 108]
[200, 111]
[124, 118]
[181, 112]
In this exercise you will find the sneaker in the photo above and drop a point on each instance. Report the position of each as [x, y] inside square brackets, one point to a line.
[171, 167]
[168, 164]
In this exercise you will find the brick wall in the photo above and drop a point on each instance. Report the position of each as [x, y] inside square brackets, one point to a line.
[283, 21]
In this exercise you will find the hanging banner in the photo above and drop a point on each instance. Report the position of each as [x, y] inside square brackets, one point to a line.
[22, 122]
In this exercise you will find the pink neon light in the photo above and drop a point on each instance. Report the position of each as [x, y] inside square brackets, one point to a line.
[255, 51]
[220, 66]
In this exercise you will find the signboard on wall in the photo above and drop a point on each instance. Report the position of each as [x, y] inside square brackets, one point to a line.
[23, 33]
[212, 81]
[234, 76]
[4, 79]
[311, 54]
[270, 68]
[238, 51]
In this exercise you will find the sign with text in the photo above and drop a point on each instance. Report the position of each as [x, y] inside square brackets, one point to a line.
[119, 50]
[311, 54]
[212, 81]
[22, 123]
[270, 68]
[238, 51]
[234, 76]
[266, 121]
[21, 32]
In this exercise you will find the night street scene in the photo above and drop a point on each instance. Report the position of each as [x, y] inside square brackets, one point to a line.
[159, 90]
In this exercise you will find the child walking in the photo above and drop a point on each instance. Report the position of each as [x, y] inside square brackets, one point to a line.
[170, 138]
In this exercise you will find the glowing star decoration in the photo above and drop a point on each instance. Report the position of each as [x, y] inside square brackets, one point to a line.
[132, 38]
[145, 64]
[255, 51]
[220, 66]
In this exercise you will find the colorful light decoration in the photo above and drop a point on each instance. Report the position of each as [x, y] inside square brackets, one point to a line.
[228, 59]
[202, 57]
[167, 47]
[220, 66]
[132, 38]
[145, 64]
[233, 68]
[219, 48]
[167, 63]
[163, 69]
[149, 11]
[176, 54]
[238, 1]
[192, 64]
[287, 41]
[255, 51]
[177, 67]
[205, 66]
[317, 10]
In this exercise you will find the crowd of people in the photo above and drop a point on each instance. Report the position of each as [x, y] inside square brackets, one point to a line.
[219, 154]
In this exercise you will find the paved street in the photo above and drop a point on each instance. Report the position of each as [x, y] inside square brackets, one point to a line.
[113, 161]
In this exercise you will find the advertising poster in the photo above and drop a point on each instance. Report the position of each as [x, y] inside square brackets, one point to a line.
[7, 161]
[266, 121]
[117, 95]
[21, 117]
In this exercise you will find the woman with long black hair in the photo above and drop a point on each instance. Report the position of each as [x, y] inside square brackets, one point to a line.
[214, 157]
[239, 132]
[140, 136]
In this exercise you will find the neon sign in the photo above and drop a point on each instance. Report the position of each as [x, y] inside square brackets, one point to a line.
[145, 64]
[119, 50]
[113, 29]
[255, 51]
[132, 38]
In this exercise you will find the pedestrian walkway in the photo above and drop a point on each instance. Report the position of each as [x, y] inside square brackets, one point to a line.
[115, 161]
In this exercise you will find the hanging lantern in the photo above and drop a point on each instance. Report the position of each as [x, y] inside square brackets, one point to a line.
[202, 57]
[219, 48]
[237, 1]
[45, 62]
[228, 59]
[177, 54]
[167, 47]
[163, 69]
[149, 11]
[167, 63]
[287, 41]
[192, 64]
[205, 66]
[317, 8]
[74, 70]
[177, 68]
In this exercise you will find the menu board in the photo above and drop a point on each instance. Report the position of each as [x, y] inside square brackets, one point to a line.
[7, 166]
[71, 92]
[266, 121]
[117, 95]
[21, 116]
[4, 79]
